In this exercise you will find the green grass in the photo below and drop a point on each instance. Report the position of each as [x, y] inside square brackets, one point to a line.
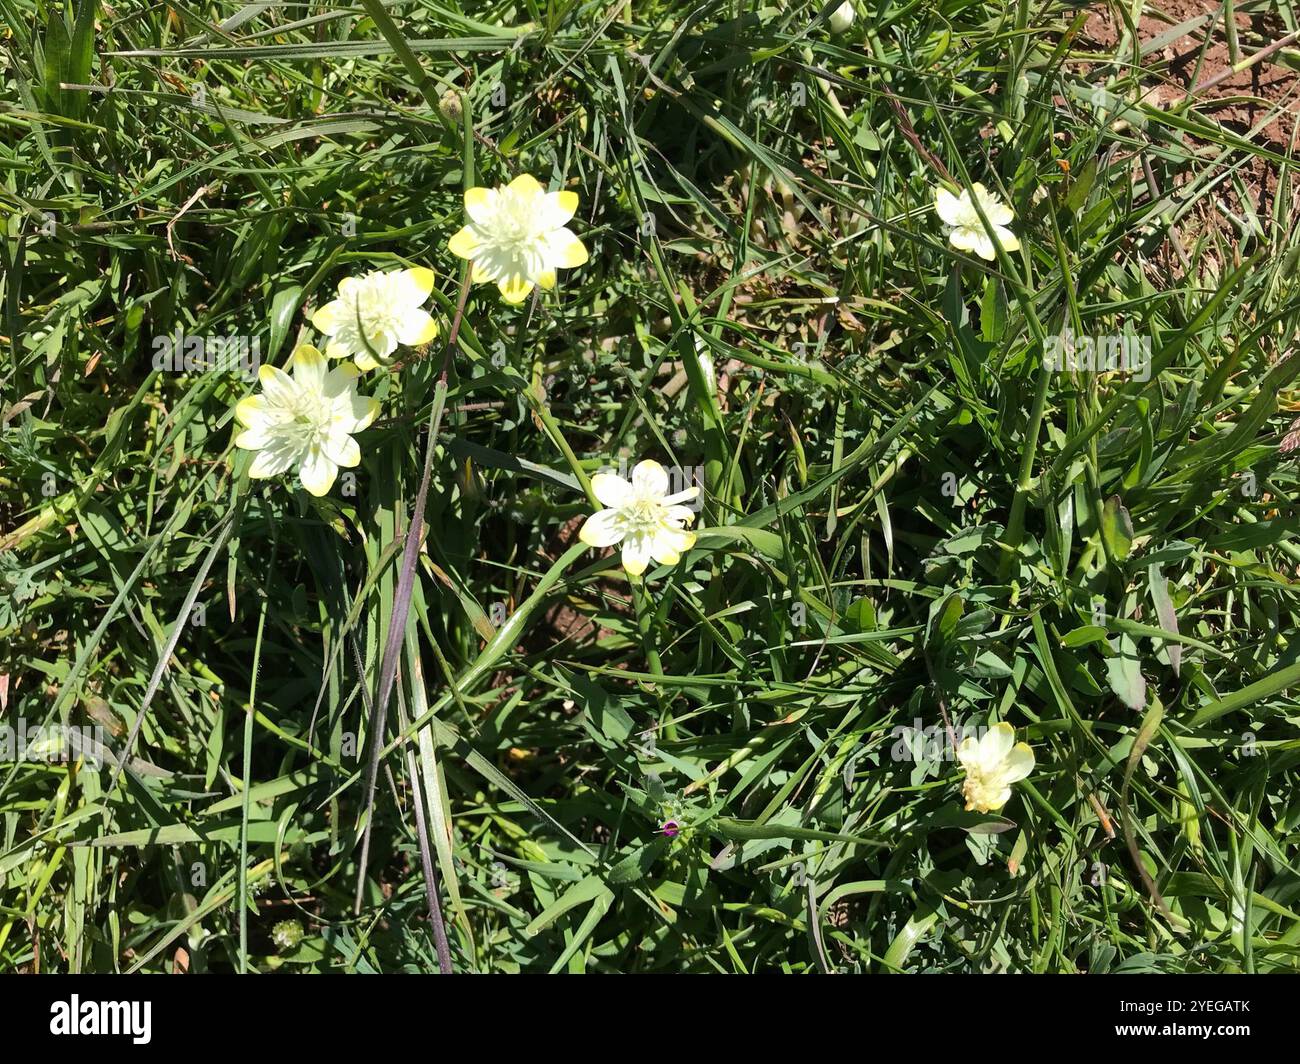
[905, 516]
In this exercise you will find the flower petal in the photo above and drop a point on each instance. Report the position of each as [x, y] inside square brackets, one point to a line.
[1019, 763]
[381, 345]
[565, 249]
[998, 212]
[337, 349]
[465, 243]
[317, 472]
[365, 408]
[253, 439]
[947, 206]
[279, 386]
[601, 529]
[328, 317]
[649, 480]
[525, 185]
[636, 554]
[682, 496]
[515, 289]
[272, 461]
[252, 412]
[417, 327]
[340, 380]
[997, 743]
[557, 208]
[964, 239]
[611, 489]
[309, 368]
[478, 204]
[419, 282]
[669, 544]
[342, 450]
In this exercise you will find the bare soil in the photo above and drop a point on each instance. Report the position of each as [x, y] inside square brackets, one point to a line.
[1268, 92]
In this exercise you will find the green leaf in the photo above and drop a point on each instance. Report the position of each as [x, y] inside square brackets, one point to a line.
[284, 306]
[1117, 528]
[765, 542]
[1124, 671]
[1158, 586]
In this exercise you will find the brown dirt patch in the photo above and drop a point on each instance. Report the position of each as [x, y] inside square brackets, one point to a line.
[1260, 103]
[1267, 92]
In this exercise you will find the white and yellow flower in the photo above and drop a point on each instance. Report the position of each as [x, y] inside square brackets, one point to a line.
[967, 231]
[642, 516]
[842, 17]
[375, 313]
[518, 237]
[993, 763]
[306, 420]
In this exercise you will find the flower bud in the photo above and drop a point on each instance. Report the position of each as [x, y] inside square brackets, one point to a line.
[450, 106]
[842, 17]
[286, 935]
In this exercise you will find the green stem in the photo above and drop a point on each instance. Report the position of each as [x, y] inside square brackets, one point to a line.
[543, 412]
[246, 804]
[1016, 522]
[645, 616]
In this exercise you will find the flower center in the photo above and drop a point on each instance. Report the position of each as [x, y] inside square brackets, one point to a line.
[513, 224]
[981, 789]
[376, 315]
[308, 413]
[642, 515]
